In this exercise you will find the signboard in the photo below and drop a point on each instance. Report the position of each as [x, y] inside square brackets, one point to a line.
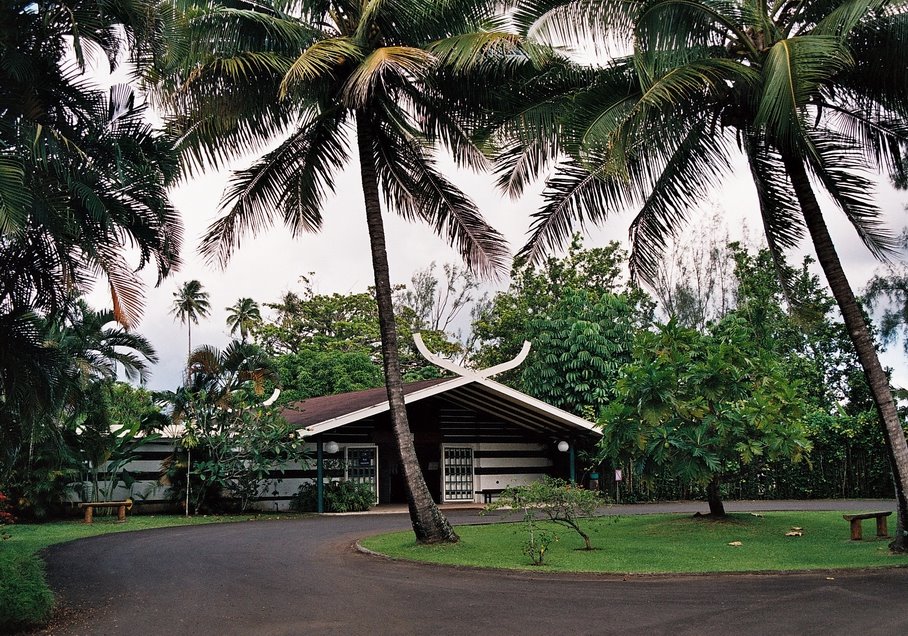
[619, 475]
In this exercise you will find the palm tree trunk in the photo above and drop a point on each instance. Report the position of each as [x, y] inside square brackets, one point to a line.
[429, 524]
[859, 333]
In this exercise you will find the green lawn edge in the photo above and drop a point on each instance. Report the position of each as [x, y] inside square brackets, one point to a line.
[662, 544]
[26, 601]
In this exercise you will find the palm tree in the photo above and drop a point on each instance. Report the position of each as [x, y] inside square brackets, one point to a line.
[97, 346]
[83, 193]
[190, 302]
[83, 175]
[814, 94]
[320, 75]
[243, 316]
[220, 372]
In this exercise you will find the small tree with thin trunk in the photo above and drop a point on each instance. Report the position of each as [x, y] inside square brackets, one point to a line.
[554, 499]
[700, 407]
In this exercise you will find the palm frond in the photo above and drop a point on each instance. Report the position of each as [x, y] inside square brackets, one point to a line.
[841, 20]
[696, 164]
[783, 224]
[792, 75]
[448, 121]
[839, 166]
[670, 33]
[292, 179]
[469, 52]
[383, 68]
[576, 22]
[572, 196]
[878, 133]
[320, 155]
[415, 189]
[321, 59]
[126, 291]
[875, 44]
[523, 163]
[15, 197]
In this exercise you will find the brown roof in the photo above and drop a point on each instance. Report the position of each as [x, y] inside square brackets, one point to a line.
[319, 409]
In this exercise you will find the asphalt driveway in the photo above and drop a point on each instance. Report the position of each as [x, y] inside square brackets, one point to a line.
[305, 577]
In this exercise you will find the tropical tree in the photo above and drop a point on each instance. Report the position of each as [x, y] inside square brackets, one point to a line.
[190, 302]
[701, 407]
[587, 285]
[98, 347]
[215, 378]
[83, 175]
[41, 443]
[579, 346]
[83, 180]
[243, 316]
[806, 91]
[323, 75]
[313, 372]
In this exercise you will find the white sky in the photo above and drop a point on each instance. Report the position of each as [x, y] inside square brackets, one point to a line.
[268, 265]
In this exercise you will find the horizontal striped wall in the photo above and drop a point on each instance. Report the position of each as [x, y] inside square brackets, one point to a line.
[150, 489]
[502, 456]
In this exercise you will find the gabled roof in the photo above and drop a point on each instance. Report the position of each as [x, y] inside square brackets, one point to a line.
[321, 414]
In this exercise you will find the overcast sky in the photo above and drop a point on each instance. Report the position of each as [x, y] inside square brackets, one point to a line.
[272, 263]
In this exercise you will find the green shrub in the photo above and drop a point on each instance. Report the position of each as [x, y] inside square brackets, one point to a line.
[340, 496]
[25, 600]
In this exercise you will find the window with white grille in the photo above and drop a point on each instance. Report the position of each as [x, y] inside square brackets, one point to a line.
[458, 473]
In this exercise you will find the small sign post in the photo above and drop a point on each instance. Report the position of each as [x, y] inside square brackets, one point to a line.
[619, 477]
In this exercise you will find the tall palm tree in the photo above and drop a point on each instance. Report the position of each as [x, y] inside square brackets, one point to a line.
[190, 302]
[243, 316]
[814, 94]
[323, 75]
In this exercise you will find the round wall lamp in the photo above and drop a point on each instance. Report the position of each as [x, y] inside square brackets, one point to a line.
[563, 446]
[331, 447]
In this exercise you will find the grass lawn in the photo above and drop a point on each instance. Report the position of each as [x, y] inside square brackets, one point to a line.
[652, 544]
[25, 599]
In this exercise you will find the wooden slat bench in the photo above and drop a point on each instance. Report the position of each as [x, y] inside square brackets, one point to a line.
[488, 493]
[881, 530]
[121, 506]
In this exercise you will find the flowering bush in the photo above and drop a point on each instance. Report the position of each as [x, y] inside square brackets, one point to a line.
[6, 517]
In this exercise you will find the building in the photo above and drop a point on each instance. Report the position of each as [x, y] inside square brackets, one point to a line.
[473, 436]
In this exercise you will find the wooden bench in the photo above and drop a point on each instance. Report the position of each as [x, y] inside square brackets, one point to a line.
[488, 493]
[121, 506]
[881, 530]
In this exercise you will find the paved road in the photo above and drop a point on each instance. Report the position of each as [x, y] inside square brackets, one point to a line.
[304, 577]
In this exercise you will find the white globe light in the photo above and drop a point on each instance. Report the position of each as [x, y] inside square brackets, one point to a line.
[563, 446]
[331, 448]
